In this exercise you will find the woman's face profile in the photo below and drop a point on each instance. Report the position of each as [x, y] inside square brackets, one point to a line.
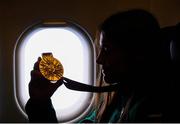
[113, 60]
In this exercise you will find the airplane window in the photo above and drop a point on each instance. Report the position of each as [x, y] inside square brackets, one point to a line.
[70, 44]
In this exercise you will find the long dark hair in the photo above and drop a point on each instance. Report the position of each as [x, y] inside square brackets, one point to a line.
[136, 30]
[132, 29]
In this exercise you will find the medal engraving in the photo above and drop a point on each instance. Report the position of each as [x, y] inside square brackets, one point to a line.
[50, 67]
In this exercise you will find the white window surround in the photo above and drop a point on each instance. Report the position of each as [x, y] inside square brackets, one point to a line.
[73, 46]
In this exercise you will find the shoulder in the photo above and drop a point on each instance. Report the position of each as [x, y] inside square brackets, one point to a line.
[145, 109]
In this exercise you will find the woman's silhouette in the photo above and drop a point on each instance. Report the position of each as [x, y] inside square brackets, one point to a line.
[132, 63]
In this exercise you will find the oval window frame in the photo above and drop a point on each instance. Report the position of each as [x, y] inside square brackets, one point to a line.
[48, 23]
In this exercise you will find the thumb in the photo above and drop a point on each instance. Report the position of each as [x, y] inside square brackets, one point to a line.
[36, 65]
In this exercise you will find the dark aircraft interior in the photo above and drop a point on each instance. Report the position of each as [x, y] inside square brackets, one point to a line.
[30, 28]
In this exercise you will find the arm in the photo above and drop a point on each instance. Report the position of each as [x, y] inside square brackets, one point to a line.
[40, 111]
[39, 107]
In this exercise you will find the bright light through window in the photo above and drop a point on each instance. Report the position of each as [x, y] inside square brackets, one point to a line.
[75, 51]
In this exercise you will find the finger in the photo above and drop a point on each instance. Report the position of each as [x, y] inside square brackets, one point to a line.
[36, 75]
[36, 65]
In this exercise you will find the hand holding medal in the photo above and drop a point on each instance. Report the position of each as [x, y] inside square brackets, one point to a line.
[52, 69]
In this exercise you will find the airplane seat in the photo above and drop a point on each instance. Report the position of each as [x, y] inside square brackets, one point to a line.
[166, 36]
[175, 56]
[171, 38]
[175, 49]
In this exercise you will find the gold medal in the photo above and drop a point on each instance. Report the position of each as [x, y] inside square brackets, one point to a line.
[50, 67]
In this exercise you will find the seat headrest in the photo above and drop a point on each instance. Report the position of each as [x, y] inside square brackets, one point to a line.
[175, 44]
[171, 42]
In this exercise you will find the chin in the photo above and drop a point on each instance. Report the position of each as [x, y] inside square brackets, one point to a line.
[110, 80]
